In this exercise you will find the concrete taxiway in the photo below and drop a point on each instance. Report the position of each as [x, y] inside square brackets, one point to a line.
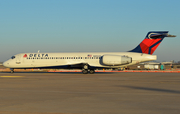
[99, 93]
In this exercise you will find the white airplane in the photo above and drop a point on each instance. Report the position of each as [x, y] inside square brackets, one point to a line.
[89, 61]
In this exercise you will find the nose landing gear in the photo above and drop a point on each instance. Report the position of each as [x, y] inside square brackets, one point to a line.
[12, 70]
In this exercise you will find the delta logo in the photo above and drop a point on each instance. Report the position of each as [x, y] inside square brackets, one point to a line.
[35, 55]
[25, 55]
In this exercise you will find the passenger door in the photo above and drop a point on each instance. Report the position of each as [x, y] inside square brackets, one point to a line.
[18, 59]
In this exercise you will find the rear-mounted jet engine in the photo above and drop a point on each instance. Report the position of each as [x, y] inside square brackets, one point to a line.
[116, 60]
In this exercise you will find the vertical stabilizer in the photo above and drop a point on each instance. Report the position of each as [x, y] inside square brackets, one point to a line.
[151, 42]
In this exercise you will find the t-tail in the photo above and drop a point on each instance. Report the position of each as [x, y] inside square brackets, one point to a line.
[151, 42]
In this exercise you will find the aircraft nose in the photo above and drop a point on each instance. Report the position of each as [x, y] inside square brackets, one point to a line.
[6, 63]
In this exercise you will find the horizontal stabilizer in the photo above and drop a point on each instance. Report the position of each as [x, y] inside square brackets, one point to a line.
[168, 35]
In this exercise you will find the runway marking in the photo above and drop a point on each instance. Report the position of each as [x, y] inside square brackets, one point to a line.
[168, 71]
[11, 76]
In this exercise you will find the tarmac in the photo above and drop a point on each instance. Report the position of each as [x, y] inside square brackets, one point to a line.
[99, 93]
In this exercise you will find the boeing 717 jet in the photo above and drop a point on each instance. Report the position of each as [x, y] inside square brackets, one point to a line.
[89, 61]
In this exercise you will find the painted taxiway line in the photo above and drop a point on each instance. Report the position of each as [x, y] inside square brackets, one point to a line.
[11, 76]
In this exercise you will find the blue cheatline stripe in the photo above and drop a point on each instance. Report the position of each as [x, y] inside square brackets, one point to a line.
[154, 45]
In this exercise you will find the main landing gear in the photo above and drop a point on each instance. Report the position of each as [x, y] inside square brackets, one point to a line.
[91, 71]
[85, 70]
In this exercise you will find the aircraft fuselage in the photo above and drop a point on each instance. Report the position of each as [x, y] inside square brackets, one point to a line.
[62, 60]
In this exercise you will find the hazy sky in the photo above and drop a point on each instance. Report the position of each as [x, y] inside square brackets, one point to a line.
[87, 25]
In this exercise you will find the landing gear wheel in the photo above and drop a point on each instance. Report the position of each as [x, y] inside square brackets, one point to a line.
[84, 71]
[12, 71]
[86, 66]
[91, 71]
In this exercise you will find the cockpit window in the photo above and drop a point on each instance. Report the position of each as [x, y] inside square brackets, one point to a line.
[12, 57]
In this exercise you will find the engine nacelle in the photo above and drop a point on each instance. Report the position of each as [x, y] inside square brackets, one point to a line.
[116, 60]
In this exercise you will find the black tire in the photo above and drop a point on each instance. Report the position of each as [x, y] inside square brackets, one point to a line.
[12, 71]
[91, 71]
[86, 66]
[85, 71]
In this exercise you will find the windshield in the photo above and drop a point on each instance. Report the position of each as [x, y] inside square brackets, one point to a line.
[12, 57]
